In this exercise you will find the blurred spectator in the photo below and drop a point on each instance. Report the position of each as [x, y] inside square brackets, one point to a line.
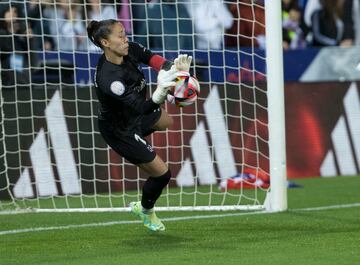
[332, 24]
[248, 29]
[67, 25]
[99, 10]
[29, 15]
[310, 8]
[139, 21]
[211, 18]
[125, 15]
[293, 37]
[356, 17]
[15, 39]
[302, 4]
[40, 27]
[169, 26]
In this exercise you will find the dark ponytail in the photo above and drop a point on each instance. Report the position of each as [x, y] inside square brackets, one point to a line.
[98, 30]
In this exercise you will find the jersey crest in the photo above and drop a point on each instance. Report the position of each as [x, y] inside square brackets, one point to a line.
[117, 88]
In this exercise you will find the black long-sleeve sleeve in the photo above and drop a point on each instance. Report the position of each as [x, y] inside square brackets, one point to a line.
[324, 32]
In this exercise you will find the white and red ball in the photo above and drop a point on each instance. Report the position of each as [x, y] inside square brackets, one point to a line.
[186, 90]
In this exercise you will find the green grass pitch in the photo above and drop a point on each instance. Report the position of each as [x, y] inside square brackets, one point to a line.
[310, 232]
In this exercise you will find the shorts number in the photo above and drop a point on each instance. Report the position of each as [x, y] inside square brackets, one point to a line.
[139, 139]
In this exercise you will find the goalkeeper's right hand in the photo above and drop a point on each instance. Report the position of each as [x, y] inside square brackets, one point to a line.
[165, 80]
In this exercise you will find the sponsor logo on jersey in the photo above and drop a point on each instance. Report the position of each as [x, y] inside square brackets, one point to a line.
[140, 87]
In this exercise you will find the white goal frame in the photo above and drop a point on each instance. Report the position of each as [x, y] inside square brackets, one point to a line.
[276, 107]
[276, 198]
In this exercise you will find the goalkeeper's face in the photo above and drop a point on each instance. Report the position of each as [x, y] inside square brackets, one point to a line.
[117, 42]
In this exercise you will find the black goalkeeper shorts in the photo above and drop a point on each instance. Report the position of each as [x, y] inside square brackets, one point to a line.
[133, 147]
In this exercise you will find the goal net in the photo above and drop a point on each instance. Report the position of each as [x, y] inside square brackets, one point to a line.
[218, 149]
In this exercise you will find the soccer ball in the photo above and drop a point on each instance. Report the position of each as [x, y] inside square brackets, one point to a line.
[186, 90]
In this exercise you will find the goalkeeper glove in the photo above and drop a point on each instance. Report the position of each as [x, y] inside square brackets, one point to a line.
[165, 80]
[182, 62]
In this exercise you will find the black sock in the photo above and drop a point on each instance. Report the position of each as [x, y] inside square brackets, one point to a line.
[152, 189]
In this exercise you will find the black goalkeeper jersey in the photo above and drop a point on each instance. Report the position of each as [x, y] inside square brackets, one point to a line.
[121, 90]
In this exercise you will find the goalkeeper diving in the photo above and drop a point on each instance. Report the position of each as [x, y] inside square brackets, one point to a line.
[125, 115]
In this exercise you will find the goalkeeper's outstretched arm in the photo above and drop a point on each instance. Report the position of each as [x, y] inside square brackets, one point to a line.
[157, 62]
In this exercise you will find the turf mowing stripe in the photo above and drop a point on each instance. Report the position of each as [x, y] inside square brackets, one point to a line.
[170, 219]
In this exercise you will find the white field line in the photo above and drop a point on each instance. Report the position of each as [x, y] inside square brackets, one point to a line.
[329, 207]
[170, 219]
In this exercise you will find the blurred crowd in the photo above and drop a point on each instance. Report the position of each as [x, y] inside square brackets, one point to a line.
[172, 25]
[305, 23]
[60, 25]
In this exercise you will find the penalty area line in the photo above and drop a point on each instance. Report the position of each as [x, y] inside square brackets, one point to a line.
[169, 219]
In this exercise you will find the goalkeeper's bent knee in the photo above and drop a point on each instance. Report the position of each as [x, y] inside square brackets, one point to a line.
[152, 189]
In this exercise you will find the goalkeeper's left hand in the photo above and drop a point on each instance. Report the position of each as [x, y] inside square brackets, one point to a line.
[182, 62]
[165, 81]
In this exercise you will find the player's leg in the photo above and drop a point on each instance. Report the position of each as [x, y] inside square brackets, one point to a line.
[164, 122]
[159, 177]
[139, 152]
[155, 168]
[158, 120]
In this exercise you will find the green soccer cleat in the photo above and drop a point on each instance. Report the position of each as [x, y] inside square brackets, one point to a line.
[151, 221]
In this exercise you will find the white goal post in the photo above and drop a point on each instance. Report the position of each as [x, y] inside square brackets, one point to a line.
[276, 105]
[226, 151]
